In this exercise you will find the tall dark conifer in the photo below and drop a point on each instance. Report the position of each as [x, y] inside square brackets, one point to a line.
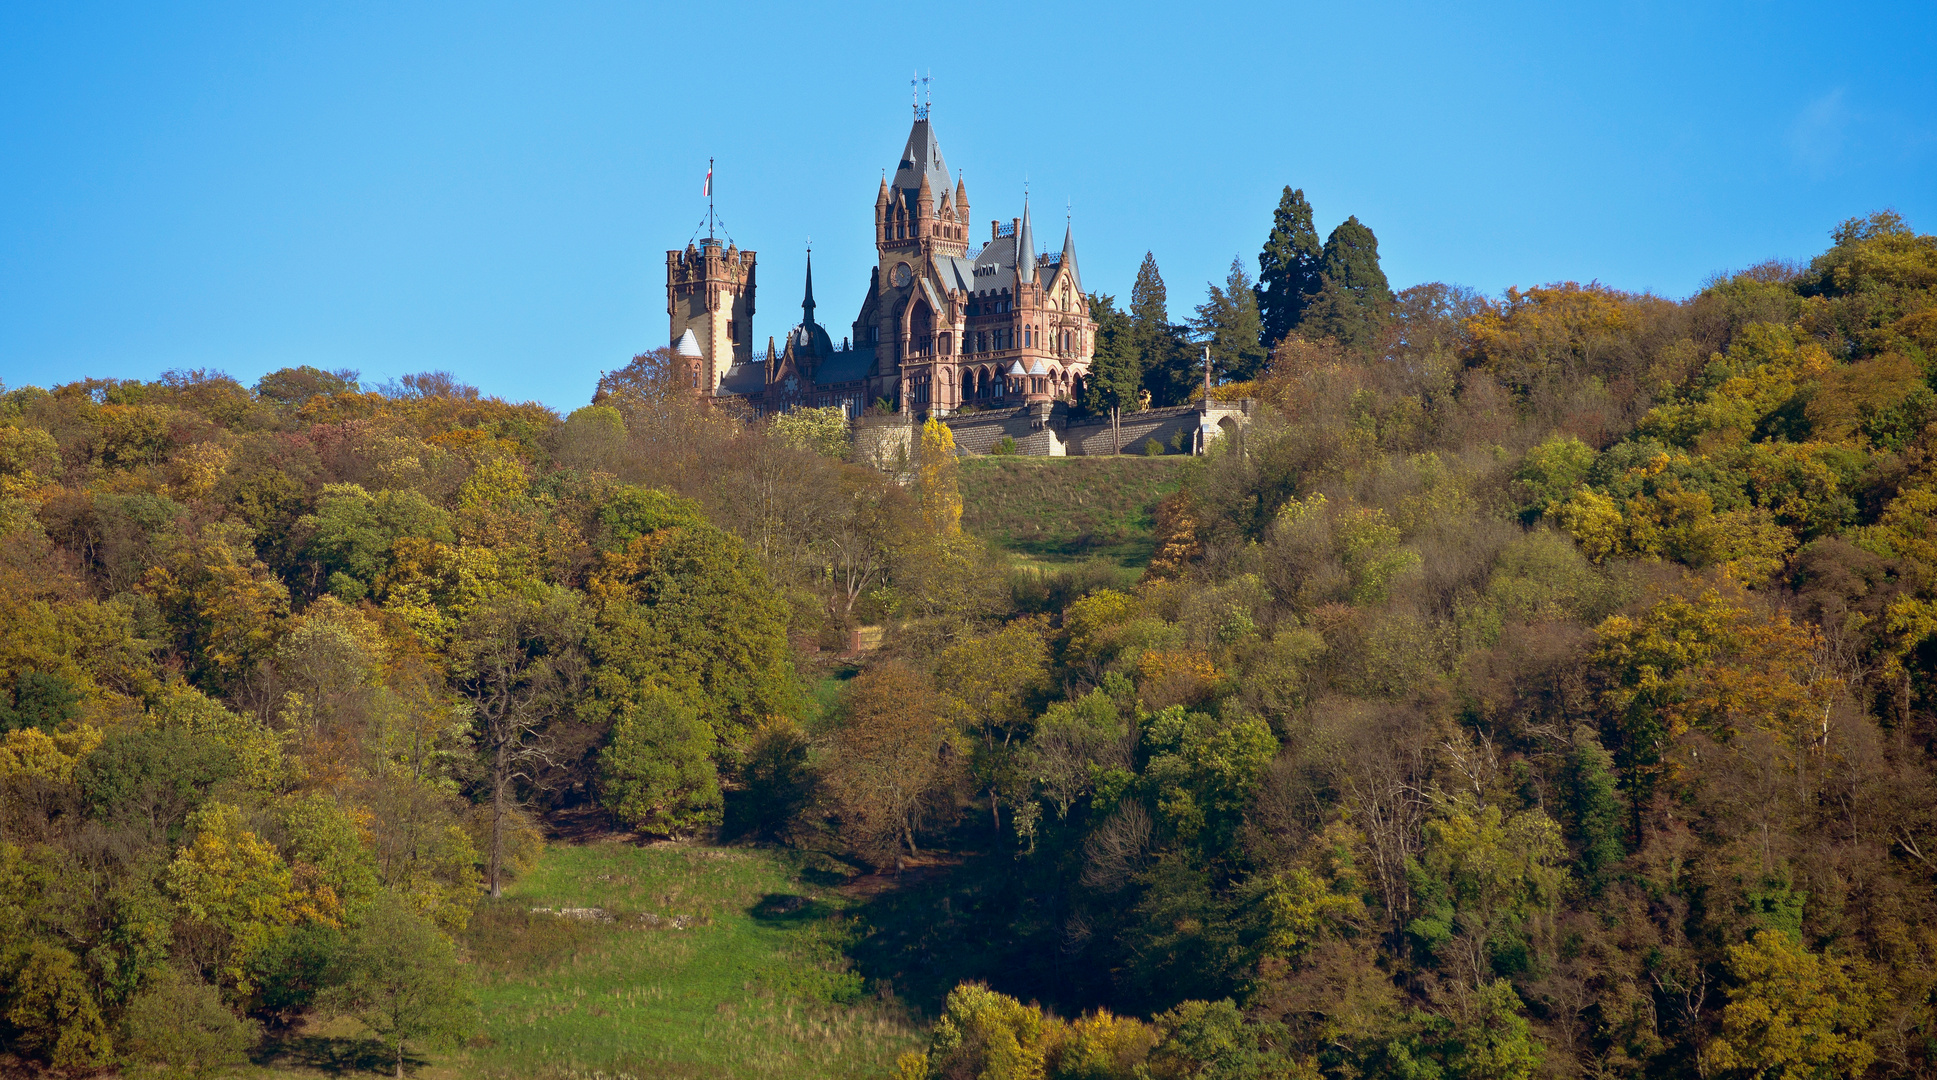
[1149, 304]
[1115, 376]
[1164, 352]
[1228, 320]
[1288, 268]
[1353, 301]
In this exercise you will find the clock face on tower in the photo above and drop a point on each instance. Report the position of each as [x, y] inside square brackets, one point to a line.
[902, 276]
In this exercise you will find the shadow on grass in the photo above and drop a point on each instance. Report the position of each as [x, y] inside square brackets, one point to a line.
[986, 920]
[788, 909]
[333, 1056]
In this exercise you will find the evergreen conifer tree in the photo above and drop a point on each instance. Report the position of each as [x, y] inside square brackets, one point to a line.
[1288, 268]
[1149, 305]
[1115, 376]
[1595, 807]
[1163, 351]
[1354, 300]
[1229, 319]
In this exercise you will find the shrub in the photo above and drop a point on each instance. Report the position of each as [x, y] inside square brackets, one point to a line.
[178, 1028]
[1153, 448]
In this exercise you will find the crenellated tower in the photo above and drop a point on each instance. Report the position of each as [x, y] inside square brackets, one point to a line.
[709, 290]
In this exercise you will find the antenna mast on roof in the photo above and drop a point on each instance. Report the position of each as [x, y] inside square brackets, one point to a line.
[710, 220]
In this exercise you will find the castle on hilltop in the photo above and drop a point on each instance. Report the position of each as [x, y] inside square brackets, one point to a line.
[948, 323]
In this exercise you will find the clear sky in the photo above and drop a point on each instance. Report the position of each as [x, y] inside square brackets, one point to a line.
[491, 188]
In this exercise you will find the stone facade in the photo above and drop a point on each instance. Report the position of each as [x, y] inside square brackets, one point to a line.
[709, 293]
[948, 321]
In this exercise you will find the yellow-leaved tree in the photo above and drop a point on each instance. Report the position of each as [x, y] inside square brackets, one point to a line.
[935, 480]
[1793, 1015]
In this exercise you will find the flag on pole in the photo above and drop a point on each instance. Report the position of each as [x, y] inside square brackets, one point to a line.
[706, 189]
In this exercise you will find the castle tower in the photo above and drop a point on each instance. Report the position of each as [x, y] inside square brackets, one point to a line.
[709, 291]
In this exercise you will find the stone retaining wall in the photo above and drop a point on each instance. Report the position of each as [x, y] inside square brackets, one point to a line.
[1035, 428]
[1091, 435]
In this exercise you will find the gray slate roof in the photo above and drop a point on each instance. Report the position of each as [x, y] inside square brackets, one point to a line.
[846, 365]
[747, 378]
[923, 156]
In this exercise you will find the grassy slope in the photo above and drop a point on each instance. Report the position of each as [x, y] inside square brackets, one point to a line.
[1058, 511]
[750, 989]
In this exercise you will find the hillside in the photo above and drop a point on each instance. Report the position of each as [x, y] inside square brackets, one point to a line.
[1061, 510]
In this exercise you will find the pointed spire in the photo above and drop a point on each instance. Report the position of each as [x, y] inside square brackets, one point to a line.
[882, 199]
[1069, 257]
[961, 200]
[807, 303]
[925, 201]
[1025, 247]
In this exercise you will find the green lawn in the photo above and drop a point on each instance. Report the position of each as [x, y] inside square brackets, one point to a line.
[718, 962]
[1058, 512]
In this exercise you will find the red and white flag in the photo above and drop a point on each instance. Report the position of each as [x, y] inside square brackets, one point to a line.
[706, 189]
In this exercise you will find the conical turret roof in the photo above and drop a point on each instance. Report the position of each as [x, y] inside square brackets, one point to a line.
[1068, 265]
[921, 161]
[1025, 248]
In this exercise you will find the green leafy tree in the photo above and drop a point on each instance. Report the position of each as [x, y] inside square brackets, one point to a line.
[153, 778]
[1474, 1034]
[1202, 769]
[1485, 879]
[353, 531]
[656, 773]
[1354, 300]
[1210, 1040]
[518, 660]
[401, 979]
[178, 1029]
[1229, 320]
[684, 605]
[41, 701]
[1288, 268]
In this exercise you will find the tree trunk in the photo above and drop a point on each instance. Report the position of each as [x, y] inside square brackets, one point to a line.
[995, 811]
[400, 1061]
[500, 767]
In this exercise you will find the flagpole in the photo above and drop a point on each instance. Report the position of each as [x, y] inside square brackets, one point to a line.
[709, 198]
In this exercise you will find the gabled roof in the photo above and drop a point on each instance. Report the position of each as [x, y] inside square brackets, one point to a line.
[955, 272]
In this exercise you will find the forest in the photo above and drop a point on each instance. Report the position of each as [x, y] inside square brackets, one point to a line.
[1540, 686]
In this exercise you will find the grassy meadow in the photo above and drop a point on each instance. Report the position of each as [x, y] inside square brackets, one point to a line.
[716, 962]
[1054, 513]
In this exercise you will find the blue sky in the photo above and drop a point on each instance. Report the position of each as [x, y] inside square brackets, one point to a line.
[491, 188]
